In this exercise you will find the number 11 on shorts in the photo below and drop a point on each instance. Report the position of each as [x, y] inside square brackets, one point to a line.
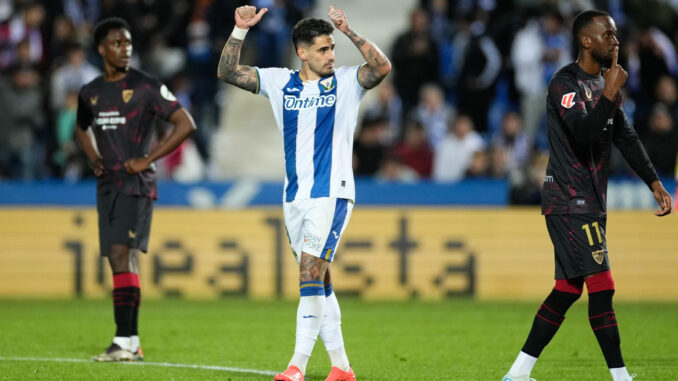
[587, 229]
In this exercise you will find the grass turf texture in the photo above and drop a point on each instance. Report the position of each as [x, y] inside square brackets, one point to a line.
[455, 340]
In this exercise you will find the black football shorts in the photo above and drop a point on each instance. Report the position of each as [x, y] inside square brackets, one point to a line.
[579, 244]
[124, 220]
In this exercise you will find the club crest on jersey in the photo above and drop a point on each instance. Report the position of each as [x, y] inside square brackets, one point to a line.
[587, 92]
[568, 100]
[327, 84]
[127, 95]
[94, 100]
[598, 256]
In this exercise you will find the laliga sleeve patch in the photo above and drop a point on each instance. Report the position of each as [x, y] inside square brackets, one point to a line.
[567, 100]
[165, 93]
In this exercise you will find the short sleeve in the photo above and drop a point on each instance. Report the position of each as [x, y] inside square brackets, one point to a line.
[271, 79]
[163, 102]
[84, 113]
[349, 75]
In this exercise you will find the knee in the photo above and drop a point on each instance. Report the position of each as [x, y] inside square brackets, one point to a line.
[118, 257]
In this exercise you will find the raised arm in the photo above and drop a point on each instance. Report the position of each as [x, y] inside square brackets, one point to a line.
[229, 70]
[377, 66]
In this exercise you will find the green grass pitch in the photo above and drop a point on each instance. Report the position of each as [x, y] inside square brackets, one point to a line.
[452, 340]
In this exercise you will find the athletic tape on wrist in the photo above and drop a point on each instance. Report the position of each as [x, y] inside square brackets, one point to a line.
[239, 33]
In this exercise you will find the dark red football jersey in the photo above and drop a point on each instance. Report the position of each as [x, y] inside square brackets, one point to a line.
[122, 115]
[582, 126]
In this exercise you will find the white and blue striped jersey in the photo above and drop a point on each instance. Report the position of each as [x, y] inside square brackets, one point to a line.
[316, 120]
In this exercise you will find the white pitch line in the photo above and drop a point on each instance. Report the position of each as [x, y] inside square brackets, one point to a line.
[162, 364]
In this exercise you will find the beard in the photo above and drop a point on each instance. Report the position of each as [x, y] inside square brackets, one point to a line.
[603, 60]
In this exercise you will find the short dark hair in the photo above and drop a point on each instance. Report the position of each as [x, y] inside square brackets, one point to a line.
[104, 26]
[308, 29]
[582, 20]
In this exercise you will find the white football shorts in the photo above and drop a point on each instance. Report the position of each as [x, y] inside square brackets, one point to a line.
[315, 225]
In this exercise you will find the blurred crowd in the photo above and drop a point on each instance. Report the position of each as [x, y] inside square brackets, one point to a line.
[466, 98]
[467, 95]
[46, 55]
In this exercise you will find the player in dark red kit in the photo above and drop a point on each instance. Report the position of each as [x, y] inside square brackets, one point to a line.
[584, 119]
[120, 107]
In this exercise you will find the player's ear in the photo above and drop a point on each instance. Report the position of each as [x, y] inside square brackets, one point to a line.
[585, 40]
[301, 52]
[100, 49]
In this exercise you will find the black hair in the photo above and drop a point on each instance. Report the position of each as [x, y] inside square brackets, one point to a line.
[104, 26]
[308, 29]
[582, 20]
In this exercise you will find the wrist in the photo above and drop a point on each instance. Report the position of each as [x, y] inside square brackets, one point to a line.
[239, 33]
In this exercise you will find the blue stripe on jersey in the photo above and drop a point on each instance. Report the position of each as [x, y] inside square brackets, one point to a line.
[340, 211]
[322, 146]
[290, 118]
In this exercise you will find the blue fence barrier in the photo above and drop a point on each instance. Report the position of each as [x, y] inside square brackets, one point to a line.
[623, 193]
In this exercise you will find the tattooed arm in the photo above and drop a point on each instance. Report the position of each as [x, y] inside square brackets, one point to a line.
[378, 66]
[229, 70]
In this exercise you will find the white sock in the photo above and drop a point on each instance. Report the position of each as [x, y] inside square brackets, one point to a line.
[523, 365]
[309, 319]
[330, 333]
[123, 342]
[620, 374]
[299, 360]
[134, 341]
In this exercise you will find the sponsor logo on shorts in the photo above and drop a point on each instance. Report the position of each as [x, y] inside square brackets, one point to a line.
[313, 241]
[598, 256]
[132, 234]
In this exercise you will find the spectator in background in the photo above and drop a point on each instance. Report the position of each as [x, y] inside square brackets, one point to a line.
[22, 125]
[63, 36]
[539, 49]
[71, 75]
[415, 59]
[433, 113]
[23, 28]
[393, 169]
[513, 144]
[390, 107]
[67, 156]
[661, 140]
[368, 148]
[479, 73]
[667, 95]
[455, 152]
[529, 193]
[273, 34]
[414, 151]
[479, 166]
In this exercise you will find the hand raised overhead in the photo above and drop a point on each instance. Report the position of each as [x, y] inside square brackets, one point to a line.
[247, 16]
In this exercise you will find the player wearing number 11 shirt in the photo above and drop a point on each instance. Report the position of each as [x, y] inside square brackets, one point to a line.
[585, 118]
